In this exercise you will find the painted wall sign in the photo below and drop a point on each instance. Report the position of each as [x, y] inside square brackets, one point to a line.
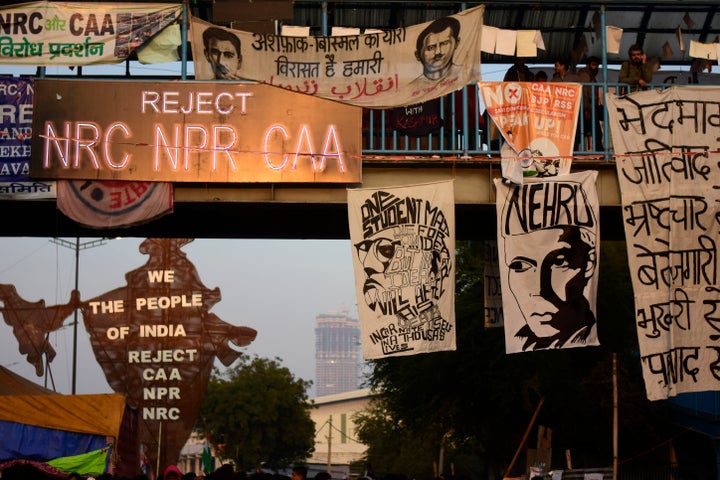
[192, 132]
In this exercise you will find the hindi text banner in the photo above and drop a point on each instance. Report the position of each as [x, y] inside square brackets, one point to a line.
[383, 69]
[666, 147]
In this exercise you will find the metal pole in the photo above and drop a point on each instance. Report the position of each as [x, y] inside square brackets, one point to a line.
[615, 417]
[329, 439]
[75, 316]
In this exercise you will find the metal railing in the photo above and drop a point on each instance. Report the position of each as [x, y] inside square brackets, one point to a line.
[465, 130]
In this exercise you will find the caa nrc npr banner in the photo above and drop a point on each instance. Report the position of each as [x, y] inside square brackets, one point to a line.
[403, 243]
[77, 33]
[548, 249]
[666, 146]
[385, 69]
[16, 104]
[538, 122]
[191, 132]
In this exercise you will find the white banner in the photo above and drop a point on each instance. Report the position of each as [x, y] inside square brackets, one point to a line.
[548, 249]
[403, 242]
[666, 147]
[77, 33]
[111, 204]
[379, 70]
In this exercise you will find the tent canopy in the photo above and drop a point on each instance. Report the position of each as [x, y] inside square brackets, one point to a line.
[23, 401]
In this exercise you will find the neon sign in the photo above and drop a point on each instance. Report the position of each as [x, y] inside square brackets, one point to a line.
[193, 132]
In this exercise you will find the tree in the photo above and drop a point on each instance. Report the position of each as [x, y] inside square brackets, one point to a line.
[257, 413]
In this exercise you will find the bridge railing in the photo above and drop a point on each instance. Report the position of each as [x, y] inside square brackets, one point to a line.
[466, 129]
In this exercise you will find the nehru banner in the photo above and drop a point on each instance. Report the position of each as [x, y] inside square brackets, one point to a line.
[666, 147]
[79, 33]
[548, 250]
[538, 122]
[403, 244]
[383, 69]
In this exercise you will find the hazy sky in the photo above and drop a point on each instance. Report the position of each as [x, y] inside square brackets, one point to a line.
[277, 287]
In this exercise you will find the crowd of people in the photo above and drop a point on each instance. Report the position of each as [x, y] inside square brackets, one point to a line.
[636, 73]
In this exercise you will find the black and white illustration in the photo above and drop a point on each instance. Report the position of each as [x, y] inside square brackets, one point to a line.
[403, 242]
[548, 249]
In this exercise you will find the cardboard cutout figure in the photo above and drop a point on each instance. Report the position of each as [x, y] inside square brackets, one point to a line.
[154, 338]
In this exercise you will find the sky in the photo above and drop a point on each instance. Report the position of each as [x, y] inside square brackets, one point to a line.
[277, 287]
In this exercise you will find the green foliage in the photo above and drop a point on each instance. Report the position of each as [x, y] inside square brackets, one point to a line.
[478, 401]
[257, 413]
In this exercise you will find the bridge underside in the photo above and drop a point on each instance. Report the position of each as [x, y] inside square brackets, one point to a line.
[306, 211]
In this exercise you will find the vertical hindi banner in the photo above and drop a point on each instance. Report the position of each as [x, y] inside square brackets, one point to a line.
[538, 121]
[79, 33]
[403, 243]
[666, 147]
[548, 250]
[382, 69]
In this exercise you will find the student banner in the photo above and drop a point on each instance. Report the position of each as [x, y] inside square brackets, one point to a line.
[403, 243]
[384, 69]
[538, 121]
[69, 33]
[548, 250]
[666, 147]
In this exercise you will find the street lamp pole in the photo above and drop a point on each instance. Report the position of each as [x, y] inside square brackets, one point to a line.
[77, 246]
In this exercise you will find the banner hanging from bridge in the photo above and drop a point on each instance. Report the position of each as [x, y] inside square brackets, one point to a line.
[537, 121]
[403, 242]
[666, 148]
[548, 250]
[383, 69]
[79, 33]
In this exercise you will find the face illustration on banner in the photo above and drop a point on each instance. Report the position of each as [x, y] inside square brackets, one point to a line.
[549, 267]
[405, 265]
[435, 48]
[223, 52]
[548, 272]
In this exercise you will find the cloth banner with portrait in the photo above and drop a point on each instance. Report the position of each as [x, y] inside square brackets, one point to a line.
[666, 152]
[403, 246]
[382, 69]
[537, 121]
[80, 33]
[548, 251]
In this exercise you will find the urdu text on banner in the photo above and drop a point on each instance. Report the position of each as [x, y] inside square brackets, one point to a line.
[403, 245]
[383, 69]
[538, 121]
[666, 147]
[69, 33]
[548, 251]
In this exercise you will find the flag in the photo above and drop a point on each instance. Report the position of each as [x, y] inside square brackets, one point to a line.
[110, 204]
[90, 463]
[207, 458]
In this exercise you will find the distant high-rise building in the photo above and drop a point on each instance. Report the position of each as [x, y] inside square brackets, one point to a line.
[337, 354]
